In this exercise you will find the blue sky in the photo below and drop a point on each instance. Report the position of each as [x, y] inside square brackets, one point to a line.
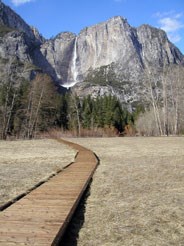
[54, 16]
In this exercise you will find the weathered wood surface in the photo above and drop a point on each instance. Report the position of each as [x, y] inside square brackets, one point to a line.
[41, 217]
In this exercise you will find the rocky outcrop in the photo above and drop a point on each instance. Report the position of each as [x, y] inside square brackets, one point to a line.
[10, 19]
[156, 49]
[15, 56]
[15, 44]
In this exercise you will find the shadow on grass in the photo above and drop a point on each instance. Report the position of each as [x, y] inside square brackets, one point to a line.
[72, 232]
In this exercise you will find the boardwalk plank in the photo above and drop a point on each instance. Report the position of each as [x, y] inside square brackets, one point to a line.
[41, 217]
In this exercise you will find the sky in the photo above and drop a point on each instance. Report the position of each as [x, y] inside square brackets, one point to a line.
[51, 17]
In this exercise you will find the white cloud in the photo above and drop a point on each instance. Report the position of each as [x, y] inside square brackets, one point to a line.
[164, 14]
[174, 37]
[20, 2]
[171, 22]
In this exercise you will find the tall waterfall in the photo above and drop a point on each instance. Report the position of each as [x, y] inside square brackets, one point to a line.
[73, 70]
[74, 61]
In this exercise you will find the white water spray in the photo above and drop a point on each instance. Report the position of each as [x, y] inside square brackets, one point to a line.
[74, 72]
[74, 62]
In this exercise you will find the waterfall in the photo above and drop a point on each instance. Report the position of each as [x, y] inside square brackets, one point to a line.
[74, 61]
[73, 77]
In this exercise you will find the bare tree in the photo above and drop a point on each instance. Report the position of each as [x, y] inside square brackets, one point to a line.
[154, 97]
[9, 99]
[74, 113]
[175, 88]
[166, 99]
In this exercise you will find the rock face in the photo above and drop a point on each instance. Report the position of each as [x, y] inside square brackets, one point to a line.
[15, 44]
[18, 44]
[115, 41]
[9, 18]
[58, 52]
[108, 58]
[111, 58]
[15, 55]
[112, 43]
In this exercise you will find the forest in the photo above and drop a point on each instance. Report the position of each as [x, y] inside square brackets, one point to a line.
[30, 109]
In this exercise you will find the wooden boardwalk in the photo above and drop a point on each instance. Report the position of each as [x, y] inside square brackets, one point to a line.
[41, 217]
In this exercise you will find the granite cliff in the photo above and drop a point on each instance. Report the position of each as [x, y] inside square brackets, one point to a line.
[108, 58]
[18, 43]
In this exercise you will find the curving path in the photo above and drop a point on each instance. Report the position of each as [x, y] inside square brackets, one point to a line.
[41, 217]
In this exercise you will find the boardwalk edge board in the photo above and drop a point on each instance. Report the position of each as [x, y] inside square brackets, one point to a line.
[20, 196]
[61, 232]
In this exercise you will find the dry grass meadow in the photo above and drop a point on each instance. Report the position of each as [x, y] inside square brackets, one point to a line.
[137, 193]
[23, 164]
[136, 197]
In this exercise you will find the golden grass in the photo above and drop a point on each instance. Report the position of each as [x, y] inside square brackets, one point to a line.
[137, 194]
[23, 164]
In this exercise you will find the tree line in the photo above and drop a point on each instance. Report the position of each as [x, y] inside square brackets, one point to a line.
[26, 108]
[30, 108]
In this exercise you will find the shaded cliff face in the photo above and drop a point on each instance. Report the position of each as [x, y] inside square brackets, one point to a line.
[16, 37]
[18, 44]
[15, 44]
[9, 18]
[15, 56]
[58, 53]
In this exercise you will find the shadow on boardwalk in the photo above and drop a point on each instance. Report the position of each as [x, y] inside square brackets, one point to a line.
[72, 232]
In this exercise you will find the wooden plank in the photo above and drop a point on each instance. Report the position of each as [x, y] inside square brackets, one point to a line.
[52, 217]
[41, 217]
[25, 239]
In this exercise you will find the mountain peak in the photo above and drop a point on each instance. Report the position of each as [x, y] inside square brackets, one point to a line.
[117, 18]
[65, 36]
[11, 19]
